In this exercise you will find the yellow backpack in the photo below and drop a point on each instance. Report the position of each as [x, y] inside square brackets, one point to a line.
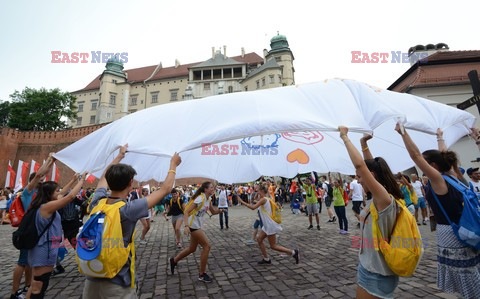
[276, 212]
[101, 251]
[198, 208]
[404, 250]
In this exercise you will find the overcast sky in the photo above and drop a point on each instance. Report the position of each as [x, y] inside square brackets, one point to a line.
[321, 34]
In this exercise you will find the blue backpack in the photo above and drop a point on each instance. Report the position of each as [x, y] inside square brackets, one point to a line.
[468, 228]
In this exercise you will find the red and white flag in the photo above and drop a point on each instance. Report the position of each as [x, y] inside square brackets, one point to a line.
[10, 181]
[34, 167]
[22, 175]
[55, 173]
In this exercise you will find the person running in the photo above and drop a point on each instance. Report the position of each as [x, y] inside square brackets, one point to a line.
[223, 204]
[193, 223]
[175, 209]
[374, 277]
[145, 221]
[118, 178]
[339, 204]
[458, 266]
[311, 202]
[43, 257]
[418, 189]
[269, 229]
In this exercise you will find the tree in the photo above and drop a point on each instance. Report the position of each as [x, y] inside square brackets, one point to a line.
[4, 113]
[41, 110]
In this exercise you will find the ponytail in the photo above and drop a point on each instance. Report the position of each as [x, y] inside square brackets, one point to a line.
[444, 160]
[384, 176]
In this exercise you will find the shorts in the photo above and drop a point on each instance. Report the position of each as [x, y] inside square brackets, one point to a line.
[312, 208]
[328, 201]
[376, 284]
[257, 224]
[176, 217]
[421, 203]
[23, 258]
[411, 208]
[357, 204]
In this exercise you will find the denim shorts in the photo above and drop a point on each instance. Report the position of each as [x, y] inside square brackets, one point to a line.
[257, 224]
[376, 284]
[23, 258]
[421, 203]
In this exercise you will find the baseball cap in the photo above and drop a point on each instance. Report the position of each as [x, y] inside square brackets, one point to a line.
[471, 170]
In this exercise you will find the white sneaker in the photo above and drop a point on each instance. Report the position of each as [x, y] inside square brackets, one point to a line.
[143, 241]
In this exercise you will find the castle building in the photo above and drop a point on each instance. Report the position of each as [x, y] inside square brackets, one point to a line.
[117, 92]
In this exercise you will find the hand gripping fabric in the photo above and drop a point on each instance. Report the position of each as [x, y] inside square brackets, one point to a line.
[403, 251]
[101, 251]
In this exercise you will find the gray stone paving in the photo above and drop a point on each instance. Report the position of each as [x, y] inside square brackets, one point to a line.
[327, 267]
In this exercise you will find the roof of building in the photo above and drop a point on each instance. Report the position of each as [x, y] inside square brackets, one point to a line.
[218, 60]
[443, 68]
[140, 74]
[271, 63]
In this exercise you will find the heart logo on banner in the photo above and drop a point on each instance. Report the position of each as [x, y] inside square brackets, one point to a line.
[299, 156]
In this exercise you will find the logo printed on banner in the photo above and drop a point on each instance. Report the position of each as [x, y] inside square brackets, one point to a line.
[384, 57]
[97, 57]
[299, 156]
[256, 145]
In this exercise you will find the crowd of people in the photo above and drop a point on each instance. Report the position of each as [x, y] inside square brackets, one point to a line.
[376, 195]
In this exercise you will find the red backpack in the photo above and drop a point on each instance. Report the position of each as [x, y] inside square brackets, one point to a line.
[17, 211]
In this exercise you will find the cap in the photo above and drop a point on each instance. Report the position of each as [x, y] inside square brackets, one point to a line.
[89, 242]
[462, 171]
[471, 170]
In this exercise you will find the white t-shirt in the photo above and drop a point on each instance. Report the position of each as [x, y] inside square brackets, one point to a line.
[270, 227]
[325, 189]
[222, 199]
[476, 186]
[357, 191]
[417, 186]
[195, 221]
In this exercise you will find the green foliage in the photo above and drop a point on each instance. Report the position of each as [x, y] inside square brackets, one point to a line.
[41, 110]
[4, 112]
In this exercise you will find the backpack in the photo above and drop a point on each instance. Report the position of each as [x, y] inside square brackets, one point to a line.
[16, 211]
[404, 248]
[194, 211]
[69, 212]
[413, 196]
[276, 212]
[467, 230]
[101, 251]
[27, 236]
[179, 203]
[329, 190]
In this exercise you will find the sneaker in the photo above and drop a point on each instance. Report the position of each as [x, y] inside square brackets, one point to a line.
[296, 256]
[143, 241]
[57, 271]
[310, 227]
[344, 232]
[265, 262]
[331, 220]
[418, 222]
[17, 295]
[318, 227]
[179, 245]
[250, 242]
[424, 222]
[341, 231]
[172, 265]
[205, 278]
[334, 219]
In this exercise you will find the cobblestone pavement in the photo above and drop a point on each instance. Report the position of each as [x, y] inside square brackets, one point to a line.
[327, 267]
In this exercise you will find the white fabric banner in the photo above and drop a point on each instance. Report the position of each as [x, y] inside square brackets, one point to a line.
[281, 131]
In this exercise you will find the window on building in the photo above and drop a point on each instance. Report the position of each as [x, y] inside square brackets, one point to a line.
[272, 79]
[278, 58]
[154, 98]
[80, 107]
[173, 94]
[206, 86]
[113, 99]
[230, 89]
[263, 81]
[79, 121]
[246, 88]
[92, 119]
[133, 101]
[258, 84]
[114, 81]
[279, 79]
[132, 110]
[94, 105]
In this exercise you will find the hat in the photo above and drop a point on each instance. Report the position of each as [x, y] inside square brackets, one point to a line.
[89, 242]
[462, 171]
[471, 170]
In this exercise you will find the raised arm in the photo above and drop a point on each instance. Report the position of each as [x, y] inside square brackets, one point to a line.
[52, 206]
[365, 150]
[380, 196]
[69, 185]
[436, 179]
[476, 137]
[254, 206]
[167, 185]
[102, 182]
[441, 142]
[44, 169]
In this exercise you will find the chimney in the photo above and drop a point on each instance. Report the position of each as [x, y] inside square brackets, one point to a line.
[213, 52]
[265, 53]
[177, 63]
[243, 52]
[224, 52]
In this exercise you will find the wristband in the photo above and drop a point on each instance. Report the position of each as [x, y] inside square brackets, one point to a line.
[172, 171]
[440, 139]
[365, 149]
